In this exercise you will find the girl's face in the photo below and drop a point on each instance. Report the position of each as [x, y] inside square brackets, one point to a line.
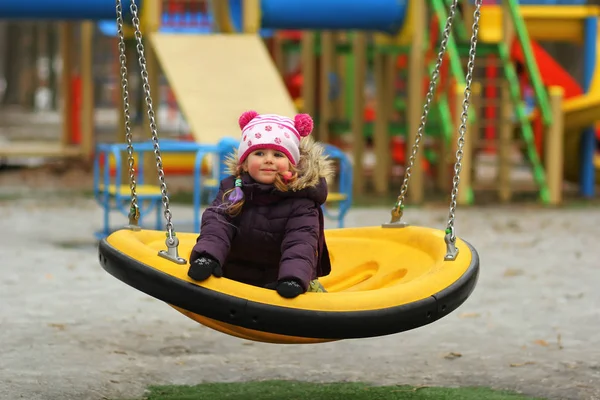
[264, 165]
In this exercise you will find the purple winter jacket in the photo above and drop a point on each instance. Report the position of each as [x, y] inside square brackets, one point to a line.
[277, 235]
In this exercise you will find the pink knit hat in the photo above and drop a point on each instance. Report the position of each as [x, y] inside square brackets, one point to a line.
[270, 131]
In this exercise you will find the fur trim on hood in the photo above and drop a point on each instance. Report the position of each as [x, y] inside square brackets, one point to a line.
[313, 165]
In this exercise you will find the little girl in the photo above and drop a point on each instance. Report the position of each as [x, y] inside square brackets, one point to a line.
[265, 227]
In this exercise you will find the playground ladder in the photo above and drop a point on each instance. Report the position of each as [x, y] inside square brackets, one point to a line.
[457, 73]
[526, 130]
[510, 74]
[530, 63]
[460, 28]
[452, 49]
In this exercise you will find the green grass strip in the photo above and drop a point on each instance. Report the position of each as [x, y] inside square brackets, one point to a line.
[290, 390]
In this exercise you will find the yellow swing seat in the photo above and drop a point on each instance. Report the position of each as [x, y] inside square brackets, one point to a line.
[383, 281]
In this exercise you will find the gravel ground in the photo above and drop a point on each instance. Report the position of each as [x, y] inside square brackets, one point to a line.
[69, 330]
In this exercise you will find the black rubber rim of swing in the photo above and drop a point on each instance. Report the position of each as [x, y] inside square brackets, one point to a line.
[283, 320]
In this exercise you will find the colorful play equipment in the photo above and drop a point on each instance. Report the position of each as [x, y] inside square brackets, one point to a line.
[334, 75]
[386, 279]
[385, 119]
[500, 59]
[552, 21]
[563, 22]
[528, 93]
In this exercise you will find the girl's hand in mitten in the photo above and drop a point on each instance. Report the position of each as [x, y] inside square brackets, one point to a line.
[203, 267]
[289, 289]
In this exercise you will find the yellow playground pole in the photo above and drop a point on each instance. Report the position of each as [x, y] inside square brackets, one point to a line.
[251, 16]
[67, 56]
[359, 50]
[327, 64]
[505, 132]
[415, 99]
[87, 125]
[465, 192]
[309, 72]
[384, 66]
[554, 140]
[150, 21]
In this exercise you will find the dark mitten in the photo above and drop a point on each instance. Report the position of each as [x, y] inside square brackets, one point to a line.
[289, 289]
[203, 267]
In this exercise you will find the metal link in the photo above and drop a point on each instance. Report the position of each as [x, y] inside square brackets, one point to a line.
[134, 213]
[452, 251]
[152, 119]
[399, 206]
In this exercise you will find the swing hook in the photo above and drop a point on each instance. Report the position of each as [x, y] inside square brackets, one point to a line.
[134, 217]
[451, 249]
[172, 252]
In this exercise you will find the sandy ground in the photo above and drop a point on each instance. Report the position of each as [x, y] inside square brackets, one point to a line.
[69, 330]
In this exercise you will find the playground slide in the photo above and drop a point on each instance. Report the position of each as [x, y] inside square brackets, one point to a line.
[580, 109]
[217, 77]
[552, 73]
[580, 113]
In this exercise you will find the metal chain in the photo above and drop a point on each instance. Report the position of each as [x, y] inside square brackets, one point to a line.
[134, 213]
[399, 206]
[462, 130]
[152, 119]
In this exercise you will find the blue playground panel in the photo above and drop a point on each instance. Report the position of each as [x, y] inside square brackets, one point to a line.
[345, 183]
[62, 9]
[181, 23]
[190, 23]
[104, 184]
[372, 15]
